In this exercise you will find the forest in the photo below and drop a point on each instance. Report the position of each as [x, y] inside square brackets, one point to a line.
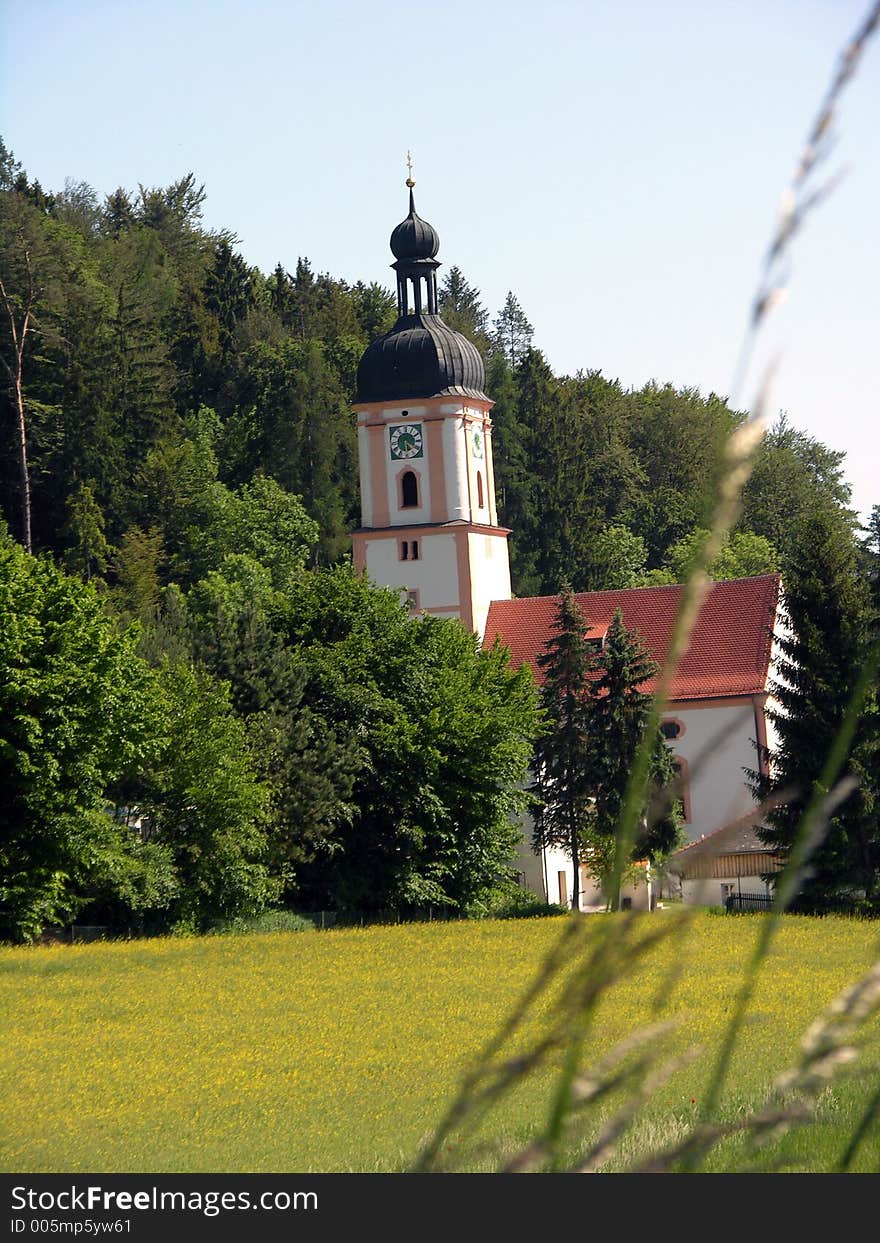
[178, 484]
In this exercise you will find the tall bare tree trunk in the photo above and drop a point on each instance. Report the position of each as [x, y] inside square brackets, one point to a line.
[19, 336]
[25, 482]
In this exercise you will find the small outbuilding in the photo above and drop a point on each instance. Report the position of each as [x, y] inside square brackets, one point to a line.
[726, 868]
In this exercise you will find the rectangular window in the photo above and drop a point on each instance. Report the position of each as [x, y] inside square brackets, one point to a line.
[563, 888]
[414, 550]
[404, 550]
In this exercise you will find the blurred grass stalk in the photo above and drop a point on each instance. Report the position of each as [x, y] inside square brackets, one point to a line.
[597, 956]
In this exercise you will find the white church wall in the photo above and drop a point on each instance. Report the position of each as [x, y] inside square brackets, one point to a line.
[434, 575]
[455, 468]
[530, 866]
[549, 876]
[490, 574]
[717, 744]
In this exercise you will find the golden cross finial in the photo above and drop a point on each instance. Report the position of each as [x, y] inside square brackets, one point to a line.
[409, 168]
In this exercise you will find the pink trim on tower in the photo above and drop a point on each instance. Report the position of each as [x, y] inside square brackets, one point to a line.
[359, 551]
[378, 481]
[490, 471]
[382, 411]
[462, 553]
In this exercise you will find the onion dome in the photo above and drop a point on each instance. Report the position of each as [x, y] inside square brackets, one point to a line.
[420, 356]
[414, 238]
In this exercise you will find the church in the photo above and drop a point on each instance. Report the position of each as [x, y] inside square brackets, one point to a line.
[429, 528]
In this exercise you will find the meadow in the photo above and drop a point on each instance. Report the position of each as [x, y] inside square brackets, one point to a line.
[339, 1050]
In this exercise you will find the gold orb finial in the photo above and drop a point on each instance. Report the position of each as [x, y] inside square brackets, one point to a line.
[409, 168]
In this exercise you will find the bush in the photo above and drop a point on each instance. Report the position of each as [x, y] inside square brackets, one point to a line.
[510, 900]
[268, 921]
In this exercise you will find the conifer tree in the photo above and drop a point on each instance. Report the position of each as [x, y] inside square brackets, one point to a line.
[512, 331]
[89, 551]
[620, 714]
[564, 756]
[462, 310]
[138, 563]
[829, 615]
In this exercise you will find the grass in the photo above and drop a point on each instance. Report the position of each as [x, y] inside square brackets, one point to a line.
[339, 1050]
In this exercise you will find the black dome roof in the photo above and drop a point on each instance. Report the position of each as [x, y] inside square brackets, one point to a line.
[414, 238]
[420, 357]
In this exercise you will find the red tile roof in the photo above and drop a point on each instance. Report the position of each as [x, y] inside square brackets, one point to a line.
[729, 652]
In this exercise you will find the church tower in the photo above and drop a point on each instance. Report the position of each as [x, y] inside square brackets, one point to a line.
[428, 520]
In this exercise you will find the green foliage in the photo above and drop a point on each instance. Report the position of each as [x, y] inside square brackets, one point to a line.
[830, 625]
[236, 622]
[596, 718]
[76, 710]
[204, 803]
[301, 431]
[138, 565]
[461, 309]
[126, 794]
[510, 900]
[259, 520]
[512, 332]
[89, 551]
[620, 715]
[676, 437]
[793, 477]
[275, 920]
[445, 731]
[869, 552]
[563, 763]
[743, 554]
[203, 521]
[619, 558]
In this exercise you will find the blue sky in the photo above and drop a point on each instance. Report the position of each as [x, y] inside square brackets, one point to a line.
[616, 164]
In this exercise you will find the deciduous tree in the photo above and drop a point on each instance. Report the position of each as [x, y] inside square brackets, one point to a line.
[77, 708]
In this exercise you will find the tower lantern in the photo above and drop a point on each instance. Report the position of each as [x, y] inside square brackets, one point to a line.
[428, 520]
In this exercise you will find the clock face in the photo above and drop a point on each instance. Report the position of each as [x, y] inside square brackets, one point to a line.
[406, 440]
[477, 441]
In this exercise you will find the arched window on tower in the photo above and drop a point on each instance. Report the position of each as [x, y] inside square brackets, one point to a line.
[409, 490]
[479, 489]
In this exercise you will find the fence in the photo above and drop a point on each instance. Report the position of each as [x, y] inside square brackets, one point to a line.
[364, 919]
[748, 902]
